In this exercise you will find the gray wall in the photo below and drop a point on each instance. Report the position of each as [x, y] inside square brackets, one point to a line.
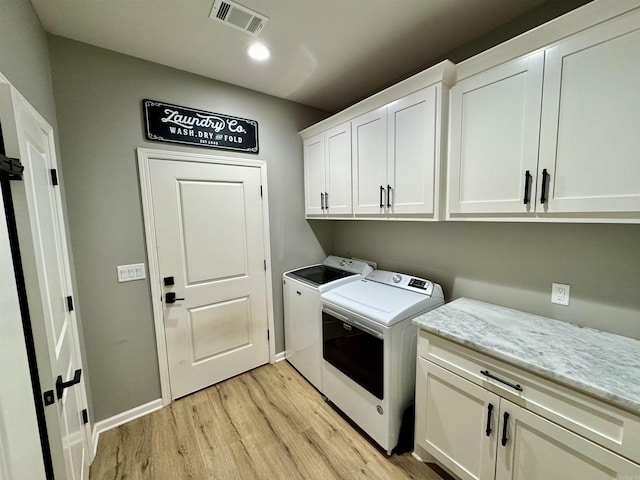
[24, 58]
[514, 264]
[98, 97]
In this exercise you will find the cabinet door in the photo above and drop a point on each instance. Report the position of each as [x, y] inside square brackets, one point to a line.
[314, 175]
[591, 118]
[338, 166]
[413, 152]
[494, 138]
[369, 160]
[455, 423]
[537, 449]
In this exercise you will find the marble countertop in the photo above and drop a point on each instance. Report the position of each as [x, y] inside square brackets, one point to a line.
[601, 364]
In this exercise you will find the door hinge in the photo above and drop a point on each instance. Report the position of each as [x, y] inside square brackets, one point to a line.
[70, 303]
[85, 416]
[54, 177]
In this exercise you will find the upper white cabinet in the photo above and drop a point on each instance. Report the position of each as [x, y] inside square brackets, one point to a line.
[369, 161]
[495, 126]
[395, 153]
[413, 158]
[551, 135]
[314, 175]
[327, 172]
[396, 157]
[589, 140]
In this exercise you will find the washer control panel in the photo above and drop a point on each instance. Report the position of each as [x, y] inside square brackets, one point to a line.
[415, 284]
[418, 283]
[348, 264]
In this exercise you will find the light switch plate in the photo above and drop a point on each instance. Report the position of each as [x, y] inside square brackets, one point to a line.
[128, 273]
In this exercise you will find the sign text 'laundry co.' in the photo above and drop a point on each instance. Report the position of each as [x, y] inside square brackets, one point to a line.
[164, 122]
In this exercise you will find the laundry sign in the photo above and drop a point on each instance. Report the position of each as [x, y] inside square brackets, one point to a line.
[165, 122]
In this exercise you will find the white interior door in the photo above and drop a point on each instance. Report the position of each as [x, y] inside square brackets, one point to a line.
[44, 206]
[20, 453]
[210, 239]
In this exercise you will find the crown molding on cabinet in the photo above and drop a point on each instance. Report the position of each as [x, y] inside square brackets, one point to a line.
[443, 72]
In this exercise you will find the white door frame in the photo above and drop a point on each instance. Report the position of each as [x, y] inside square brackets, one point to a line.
[144, 156]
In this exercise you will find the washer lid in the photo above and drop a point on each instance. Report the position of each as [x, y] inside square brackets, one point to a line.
[332, 269]
[383, 303]
[320, 274]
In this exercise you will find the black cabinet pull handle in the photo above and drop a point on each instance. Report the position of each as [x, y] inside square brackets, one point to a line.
[388, 196]
[545, 178]
[489, 410]
[488, 374]
[321, 201]
[326, 201]
[381, 194]
[170, 297]
[60, 385]
[527, 187]
[504, 429]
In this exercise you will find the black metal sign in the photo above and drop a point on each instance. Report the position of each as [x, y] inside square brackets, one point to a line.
[164, 122]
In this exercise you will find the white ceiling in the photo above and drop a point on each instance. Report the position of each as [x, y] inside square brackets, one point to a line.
[325, 53]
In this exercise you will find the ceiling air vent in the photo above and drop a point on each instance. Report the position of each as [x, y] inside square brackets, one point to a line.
[238, 16]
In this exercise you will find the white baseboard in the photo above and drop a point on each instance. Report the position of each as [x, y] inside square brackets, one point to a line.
[120, 419]
[280, 356]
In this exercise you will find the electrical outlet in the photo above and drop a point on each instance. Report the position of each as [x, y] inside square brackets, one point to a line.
[560, 293]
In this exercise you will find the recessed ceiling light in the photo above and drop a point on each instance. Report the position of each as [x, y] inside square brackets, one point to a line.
[259, 52]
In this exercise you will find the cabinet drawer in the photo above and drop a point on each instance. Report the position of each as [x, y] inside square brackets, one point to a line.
[609, 426]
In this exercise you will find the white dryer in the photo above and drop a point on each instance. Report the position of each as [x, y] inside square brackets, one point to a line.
[303, 310]
[369, 348]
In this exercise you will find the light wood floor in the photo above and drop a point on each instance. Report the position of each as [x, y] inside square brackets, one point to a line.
[268, 423]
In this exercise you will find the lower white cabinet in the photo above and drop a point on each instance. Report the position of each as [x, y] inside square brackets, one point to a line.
[531, 447]
[451, 419]
[477, 433]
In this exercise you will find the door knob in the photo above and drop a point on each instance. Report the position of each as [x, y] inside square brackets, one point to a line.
[170, 297]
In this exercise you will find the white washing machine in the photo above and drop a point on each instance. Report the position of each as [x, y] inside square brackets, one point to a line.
[303, 310]
[369, 348]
